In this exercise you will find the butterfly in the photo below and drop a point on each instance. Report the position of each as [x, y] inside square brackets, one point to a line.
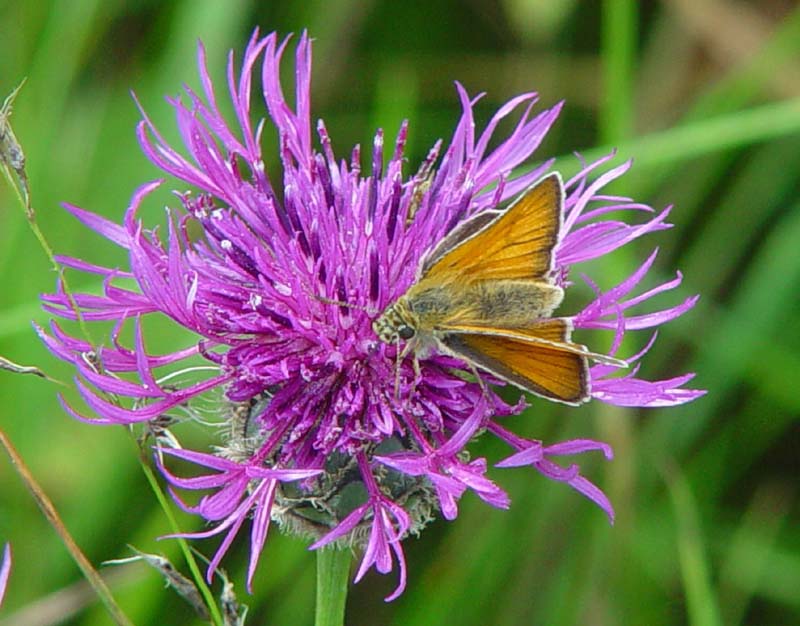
[486, 295]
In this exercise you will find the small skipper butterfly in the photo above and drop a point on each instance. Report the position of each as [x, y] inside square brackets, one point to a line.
[486, 295]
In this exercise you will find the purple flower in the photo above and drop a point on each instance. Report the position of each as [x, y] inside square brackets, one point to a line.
[5, 571]
[253, 263]
[242, 487]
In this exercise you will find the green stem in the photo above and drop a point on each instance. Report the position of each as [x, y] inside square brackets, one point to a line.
[197, 575]
[48, 509]
[20, 187]
[333, 578]
[619, 32]
[694, 139]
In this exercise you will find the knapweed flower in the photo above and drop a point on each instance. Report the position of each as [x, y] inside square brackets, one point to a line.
[280, 276]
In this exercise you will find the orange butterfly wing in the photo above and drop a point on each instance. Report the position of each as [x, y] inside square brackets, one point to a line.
[516, 245]
[544, 363]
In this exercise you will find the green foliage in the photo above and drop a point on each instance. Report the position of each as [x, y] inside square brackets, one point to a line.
[708, 101]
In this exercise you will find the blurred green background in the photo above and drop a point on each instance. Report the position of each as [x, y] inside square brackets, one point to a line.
[704, 94]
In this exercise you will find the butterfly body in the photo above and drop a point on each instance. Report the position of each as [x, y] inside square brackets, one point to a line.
[434, 309]
[512, 302]
[486, 295]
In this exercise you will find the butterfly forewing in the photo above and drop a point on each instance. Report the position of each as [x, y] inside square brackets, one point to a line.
[518, 244]
[460, 233]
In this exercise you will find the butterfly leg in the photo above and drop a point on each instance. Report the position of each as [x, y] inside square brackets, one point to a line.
[401, 355]
[398, 359]
[417, 373]
[479, 380]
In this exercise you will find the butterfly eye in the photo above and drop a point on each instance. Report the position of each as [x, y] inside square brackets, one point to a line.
[405, 332]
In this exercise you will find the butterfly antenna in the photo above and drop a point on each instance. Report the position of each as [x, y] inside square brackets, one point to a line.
[348, 305]
[606, 359]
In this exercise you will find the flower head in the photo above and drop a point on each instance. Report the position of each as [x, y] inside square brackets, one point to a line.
[332, 434]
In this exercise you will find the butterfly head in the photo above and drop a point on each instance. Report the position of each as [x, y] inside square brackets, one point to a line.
[396, 323]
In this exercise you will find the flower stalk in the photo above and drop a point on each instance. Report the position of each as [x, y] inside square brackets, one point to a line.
[49, 511]
[333, 580]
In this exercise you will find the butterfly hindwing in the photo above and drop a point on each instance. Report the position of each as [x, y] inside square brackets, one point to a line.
[544, 363]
